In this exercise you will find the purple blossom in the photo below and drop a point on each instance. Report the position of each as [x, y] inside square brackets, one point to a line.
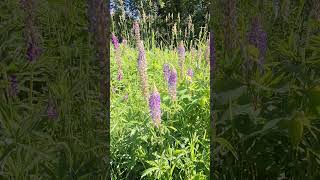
[136, 30]
[154, 106]
[166, 71]
[181, 55]
[120, 75]
[13, 90]
[33, 51]
[193, 51]
[190, 73]
[173, 83]
[115, 41]
[51, 111]
[258, 38]
[142, 69]
[199, 57]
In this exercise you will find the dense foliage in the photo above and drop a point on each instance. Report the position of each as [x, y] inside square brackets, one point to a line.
[51, 125]
[267, 90]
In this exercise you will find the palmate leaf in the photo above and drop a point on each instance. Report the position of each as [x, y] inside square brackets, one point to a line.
[295, 128]
[316, 154]
[231, 95]
[149, 171]
[253, 53]
[226, 144]
[315, 44]
[314, 96]
[235, 110]
[270, 125]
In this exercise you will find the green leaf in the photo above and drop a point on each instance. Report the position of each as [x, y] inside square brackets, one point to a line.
[314, 96]
[148, 171]
[223, 142]
[224, 97]
[295, 128]
[253, 52]
[271, 124]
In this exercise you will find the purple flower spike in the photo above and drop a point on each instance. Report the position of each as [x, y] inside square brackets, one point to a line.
[51, 111]
[33, 51]
[193, 51]
[190, 73]
[258, 38]
[13, 90]
[173, 84]
[120, 76]
[166, 71]
[136, 30]
[142, 68]
[154, 106]
[115, 41]
[199, 57]
[181, 55]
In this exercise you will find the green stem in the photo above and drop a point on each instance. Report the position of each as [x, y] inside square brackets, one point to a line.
[31, 89]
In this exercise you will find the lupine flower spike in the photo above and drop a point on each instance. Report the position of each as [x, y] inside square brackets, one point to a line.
[13, 90]
[115, 43]
[136, 30]
[258, 38]
[190, 74]
[154, 106]
[51, 111]
[166, 72]
[172, 85]
[199, 57]
[181, 55]
[120, 75]
[142, 68]
[33, 50]
[193, 51]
